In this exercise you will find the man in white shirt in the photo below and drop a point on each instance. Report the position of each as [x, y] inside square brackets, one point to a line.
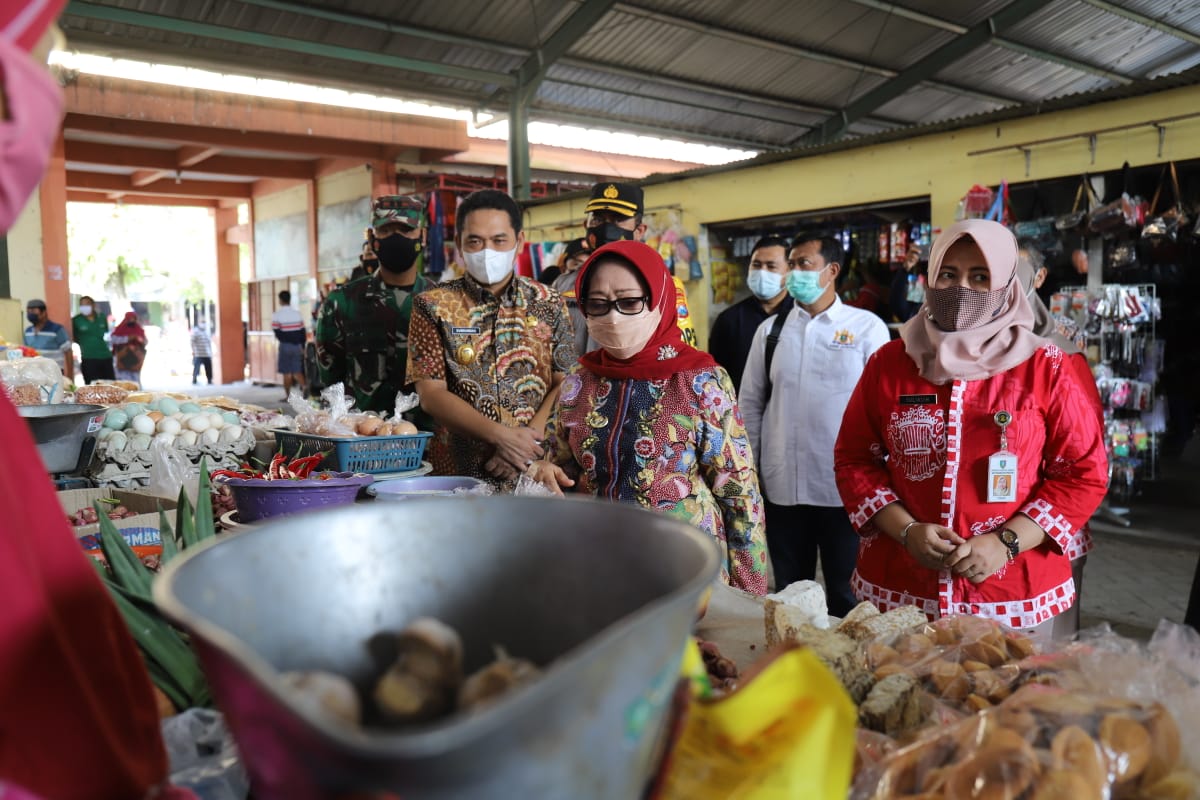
[793, 415]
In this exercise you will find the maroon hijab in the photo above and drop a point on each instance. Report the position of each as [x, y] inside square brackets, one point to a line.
[666, 353]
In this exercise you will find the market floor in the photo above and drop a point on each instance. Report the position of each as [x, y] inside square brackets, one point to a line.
[1135, 576]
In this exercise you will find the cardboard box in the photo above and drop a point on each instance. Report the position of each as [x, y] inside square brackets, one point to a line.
[140, 530]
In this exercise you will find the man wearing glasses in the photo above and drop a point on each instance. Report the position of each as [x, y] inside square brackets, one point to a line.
[487, 351]
[793, 411]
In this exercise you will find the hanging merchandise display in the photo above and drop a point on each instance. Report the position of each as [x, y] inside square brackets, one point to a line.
[1119, 325]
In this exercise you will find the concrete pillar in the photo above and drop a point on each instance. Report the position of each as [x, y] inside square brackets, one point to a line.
[53, 200]
[229, 350]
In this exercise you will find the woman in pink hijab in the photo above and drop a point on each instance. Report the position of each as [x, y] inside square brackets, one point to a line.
[970, 452]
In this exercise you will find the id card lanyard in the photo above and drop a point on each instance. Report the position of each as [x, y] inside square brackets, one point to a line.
[1002, 466]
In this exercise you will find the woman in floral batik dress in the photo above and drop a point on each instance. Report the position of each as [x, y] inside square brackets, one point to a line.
[648, 419]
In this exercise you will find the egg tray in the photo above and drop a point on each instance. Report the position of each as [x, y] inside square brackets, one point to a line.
[221, 450]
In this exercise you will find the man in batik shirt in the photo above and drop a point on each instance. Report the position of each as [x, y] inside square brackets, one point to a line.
[487, 351]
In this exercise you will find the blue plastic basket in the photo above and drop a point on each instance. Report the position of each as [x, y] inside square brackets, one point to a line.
[370, 454]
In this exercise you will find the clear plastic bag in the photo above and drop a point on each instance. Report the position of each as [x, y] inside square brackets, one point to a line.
[528, 487]
[319, 421]
[32, 381]
[170, 470]
[203, 756]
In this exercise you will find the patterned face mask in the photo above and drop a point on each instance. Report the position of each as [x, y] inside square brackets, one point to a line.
[957, 308]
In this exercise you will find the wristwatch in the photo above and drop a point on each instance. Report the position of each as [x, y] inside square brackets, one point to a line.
[1010, 540]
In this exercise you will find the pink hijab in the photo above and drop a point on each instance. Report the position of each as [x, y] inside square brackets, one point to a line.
[995, 346]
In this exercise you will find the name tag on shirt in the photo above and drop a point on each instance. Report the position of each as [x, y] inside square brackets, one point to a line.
[472, 331]
[1002, 477]
[917, 399]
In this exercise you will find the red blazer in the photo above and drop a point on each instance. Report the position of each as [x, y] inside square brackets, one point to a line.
[904, 439]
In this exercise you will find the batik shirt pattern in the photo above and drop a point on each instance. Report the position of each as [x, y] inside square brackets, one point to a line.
[677, 445]
[498, 353]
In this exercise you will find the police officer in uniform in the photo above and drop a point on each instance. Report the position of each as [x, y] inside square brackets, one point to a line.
[362, 330]
[614, 212]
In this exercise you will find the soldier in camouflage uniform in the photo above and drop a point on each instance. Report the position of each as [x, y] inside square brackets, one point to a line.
[362, 331]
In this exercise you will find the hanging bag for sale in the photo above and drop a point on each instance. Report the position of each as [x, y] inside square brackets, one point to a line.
[1124, 214]
[1075, 221]
[1163, 228]
[1039, 228]
[977, 201]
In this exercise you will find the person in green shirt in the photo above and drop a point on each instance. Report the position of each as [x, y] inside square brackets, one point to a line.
[88, 328]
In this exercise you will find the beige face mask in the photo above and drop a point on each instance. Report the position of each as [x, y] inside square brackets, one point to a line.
[623, 336]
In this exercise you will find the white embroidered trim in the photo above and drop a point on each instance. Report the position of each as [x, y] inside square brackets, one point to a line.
[1081, 544]
[1055, 525]
[950, 484]
[1013, 613]
[872, 506]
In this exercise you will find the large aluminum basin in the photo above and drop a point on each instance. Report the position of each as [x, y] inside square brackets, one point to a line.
[601, 595]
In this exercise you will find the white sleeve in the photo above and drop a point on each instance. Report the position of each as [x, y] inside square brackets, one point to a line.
[877, 335]
[752, 392]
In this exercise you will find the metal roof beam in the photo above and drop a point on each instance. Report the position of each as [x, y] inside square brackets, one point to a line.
[778, 120]
[623, 126]
[255, 39]
[729, 92]
[1066, 61]
[939, 59]
[1142, 19]
[362, 21]
[529, 76]
[1009, 44]
[799, 51]
[575, 27]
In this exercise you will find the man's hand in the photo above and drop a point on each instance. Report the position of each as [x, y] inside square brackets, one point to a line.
[929, 544]
[517, 447]
[551, 476]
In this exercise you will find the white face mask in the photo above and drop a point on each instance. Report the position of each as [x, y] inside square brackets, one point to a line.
[490, 266]
[85, 310]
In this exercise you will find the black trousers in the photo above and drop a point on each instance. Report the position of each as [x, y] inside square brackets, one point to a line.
[199, 361]
[97, 369]
[797, 534]
[1192, 616]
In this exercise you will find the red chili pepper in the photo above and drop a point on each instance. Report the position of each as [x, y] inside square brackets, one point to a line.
[228, 473]
[303, 467]
[274, 472]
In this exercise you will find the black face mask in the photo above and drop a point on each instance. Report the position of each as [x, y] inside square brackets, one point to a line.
[600, 235]
[397, 253]
[33, 317]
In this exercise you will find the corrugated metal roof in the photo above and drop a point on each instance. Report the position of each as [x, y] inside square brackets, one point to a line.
[704, 52]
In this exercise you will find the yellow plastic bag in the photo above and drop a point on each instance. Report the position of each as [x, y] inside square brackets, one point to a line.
[787, 732]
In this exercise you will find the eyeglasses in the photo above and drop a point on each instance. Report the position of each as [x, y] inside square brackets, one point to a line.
[599, 307]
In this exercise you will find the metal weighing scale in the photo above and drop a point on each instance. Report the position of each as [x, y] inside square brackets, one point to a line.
[66, 440]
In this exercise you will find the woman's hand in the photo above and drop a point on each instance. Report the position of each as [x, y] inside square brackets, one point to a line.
[978, 559]
[551, 476]
[929, 544]
[517, 447]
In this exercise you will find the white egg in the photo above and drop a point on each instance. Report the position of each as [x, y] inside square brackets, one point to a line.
[216, 420]
[231, 433]
[199, 423]
[142, 424]
[117, 442]
[139, 441]
[169, 425]
[210, 436]
[166, 438]
[186, 439]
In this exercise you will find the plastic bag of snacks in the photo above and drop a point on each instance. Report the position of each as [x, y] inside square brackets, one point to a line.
[965, 663]
[1043, 742]
[32, 381]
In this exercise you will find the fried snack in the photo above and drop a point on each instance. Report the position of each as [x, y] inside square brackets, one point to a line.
[893, 705]
[100, 394]
[1042, 743]
[842, 655]
[884, 626]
